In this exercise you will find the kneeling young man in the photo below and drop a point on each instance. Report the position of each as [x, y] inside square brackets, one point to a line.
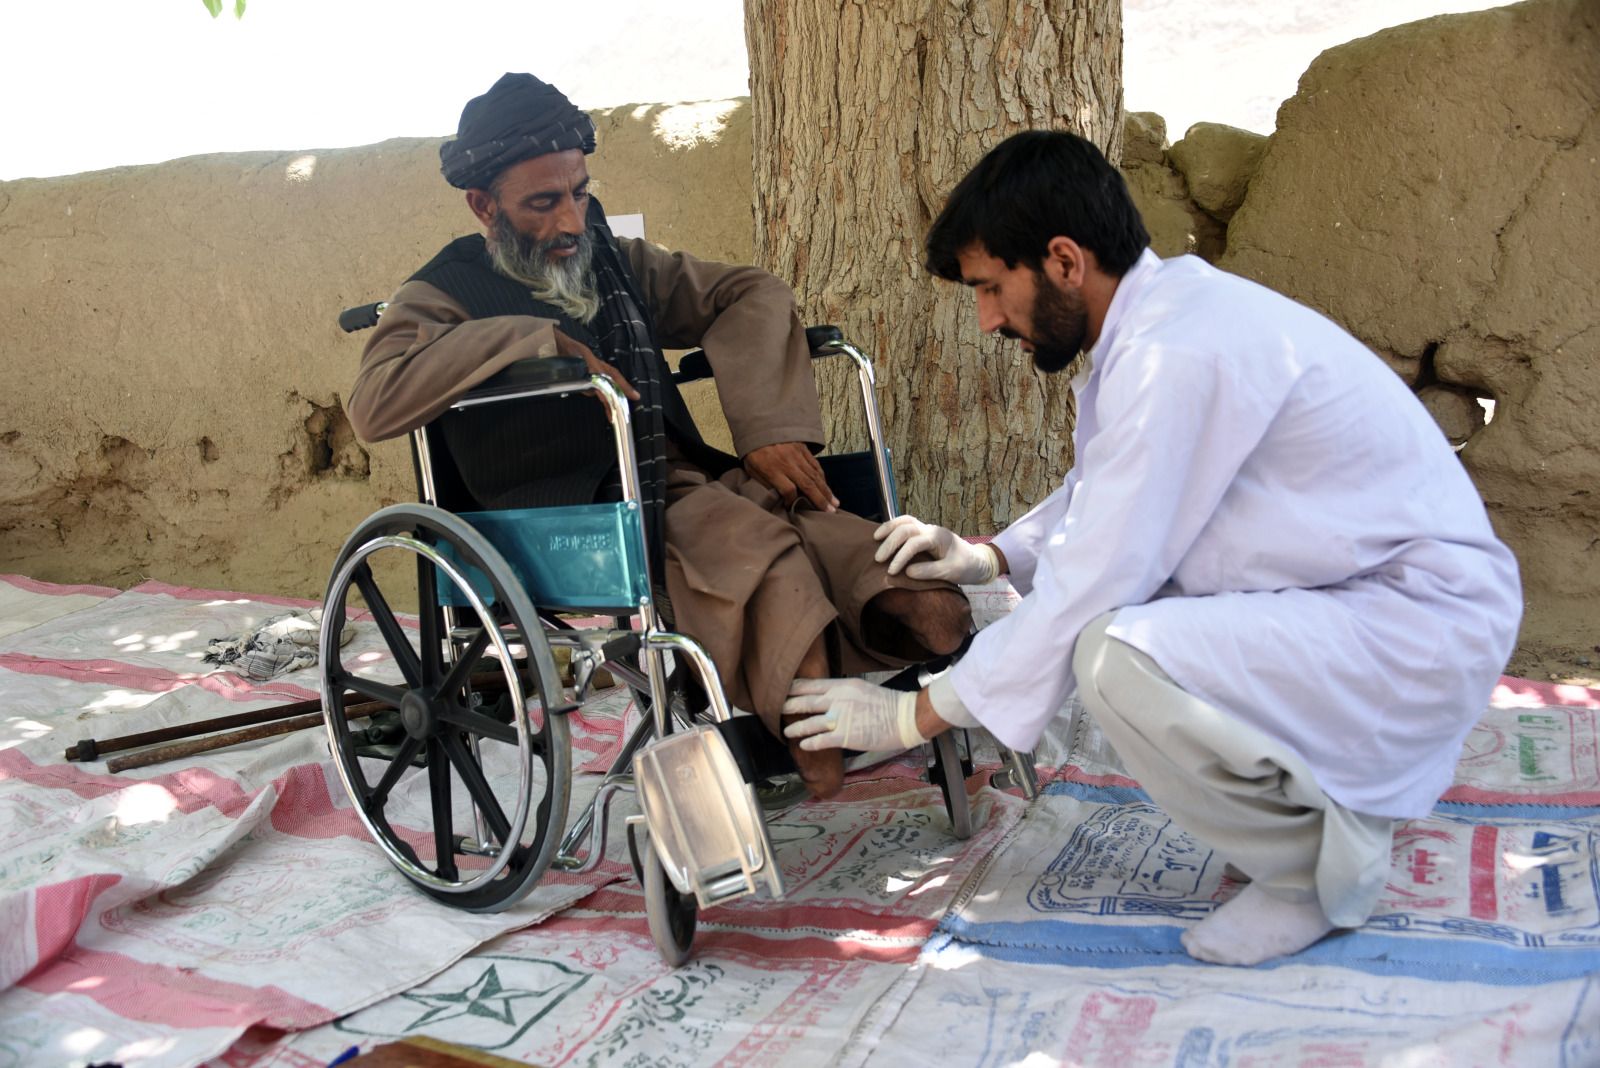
[1267, 576]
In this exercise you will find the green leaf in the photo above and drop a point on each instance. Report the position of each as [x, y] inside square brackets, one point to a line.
[238, 9]
[213, 6]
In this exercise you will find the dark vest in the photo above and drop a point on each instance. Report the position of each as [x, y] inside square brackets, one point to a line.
[554, 450]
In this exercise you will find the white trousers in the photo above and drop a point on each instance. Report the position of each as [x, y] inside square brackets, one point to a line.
[1244, 794]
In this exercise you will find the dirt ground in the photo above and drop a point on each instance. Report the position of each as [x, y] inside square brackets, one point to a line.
[1546, 662]
[1559, 643]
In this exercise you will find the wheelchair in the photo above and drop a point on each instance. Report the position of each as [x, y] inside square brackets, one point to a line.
[474, 745]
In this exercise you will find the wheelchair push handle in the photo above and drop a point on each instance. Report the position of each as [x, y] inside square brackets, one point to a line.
[353, 319]
[823, 340]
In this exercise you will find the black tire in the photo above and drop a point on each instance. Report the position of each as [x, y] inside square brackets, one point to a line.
[503, 760]
[635, 858]
[948, 772]
[671, 915]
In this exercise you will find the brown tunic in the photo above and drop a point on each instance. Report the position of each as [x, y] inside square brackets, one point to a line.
[754, 581]
[426, 351]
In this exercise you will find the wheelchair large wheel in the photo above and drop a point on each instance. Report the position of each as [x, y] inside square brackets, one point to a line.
[948, 772]
[465, 785]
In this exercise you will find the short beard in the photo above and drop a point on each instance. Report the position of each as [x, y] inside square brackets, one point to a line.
[565, 282]
[1060, 325]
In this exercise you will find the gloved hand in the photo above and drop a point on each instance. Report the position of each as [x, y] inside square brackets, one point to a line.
[852, 714]
[955, 560]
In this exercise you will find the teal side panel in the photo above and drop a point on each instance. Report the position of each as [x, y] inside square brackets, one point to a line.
[581, 557]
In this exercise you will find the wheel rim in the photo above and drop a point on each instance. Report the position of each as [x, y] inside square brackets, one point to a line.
[470, 754]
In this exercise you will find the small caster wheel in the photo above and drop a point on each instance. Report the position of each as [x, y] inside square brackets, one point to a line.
[671, 914]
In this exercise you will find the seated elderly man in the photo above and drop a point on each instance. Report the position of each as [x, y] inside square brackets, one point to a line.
[760, 565]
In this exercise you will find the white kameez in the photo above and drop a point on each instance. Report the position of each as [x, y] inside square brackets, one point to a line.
[1284, 529]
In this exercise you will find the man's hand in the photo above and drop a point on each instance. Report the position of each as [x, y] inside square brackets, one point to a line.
[567, 346]
[852, 714]
[954, 560]
[789, 470]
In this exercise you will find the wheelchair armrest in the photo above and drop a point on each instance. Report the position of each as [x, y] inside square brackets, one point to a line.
[822, 339]
[693, 367]
[524, 375]
[353, 319]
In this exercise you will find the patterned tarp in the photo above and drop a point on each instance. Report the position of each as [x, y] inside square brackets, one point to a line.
[228, 909]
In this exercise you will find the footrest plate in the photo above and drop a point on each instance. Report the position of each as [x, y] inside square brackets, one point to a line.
[704, 820]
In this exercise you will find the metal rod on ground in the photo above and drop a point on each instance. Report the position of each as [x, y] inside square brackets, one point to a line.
[179, 750]
[95, 748]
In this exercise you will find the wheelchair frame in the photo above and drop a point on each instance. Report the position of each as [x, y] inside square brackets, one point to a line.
[700, 838]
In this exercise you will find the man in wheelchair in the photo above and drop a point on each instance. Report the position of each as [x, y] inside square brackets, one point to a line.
[761, 565]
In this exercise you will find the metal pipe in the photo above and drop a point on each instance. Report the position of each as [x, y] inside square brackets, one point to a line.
[616, 778]
[621, 419]
[566, 858]
[691, 650]
[419, 438]
[178, 750]
[880, 447]
[94, 748]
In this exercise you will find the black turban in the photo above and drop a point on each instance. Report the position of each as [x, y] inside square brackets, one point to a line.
[518, 118]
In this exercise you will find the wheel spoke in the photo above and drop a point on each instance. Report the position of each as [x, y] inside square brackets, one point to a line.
[378, 796]
[462, 671]
[480, 724]
[393, 633]
[428, 620]
[371, 689]
[444, 839]
[477, 786]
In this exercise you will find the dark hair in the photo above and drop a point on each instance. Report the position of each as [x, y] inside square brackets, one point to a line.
[1031, 187]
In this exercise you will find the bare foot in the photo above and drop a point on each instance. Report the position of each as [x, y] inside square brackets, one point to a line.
[821, 769]
[1253, 926]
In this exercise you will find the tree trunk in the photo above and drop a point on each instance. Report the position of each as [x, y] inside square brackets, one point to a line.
[865, 113]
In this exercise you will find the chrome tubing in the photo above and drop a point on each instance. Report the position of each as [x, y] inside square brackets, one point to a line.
[692, 651]
[880, 447]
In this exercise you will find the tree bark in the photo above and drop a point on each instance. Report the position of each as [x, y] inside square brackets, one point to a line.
[865, 113]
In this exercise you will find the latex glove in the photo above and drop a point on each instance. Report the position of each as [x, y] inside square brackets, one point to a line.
[790, 470]
[851, 714]
[954, 560]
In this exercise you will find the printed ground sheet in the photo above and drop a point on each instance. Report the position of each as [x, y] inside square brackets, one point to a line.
[229, 910]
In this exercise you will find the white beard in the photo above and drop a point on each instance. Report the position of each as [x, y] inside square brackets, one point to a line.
[566, 282]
